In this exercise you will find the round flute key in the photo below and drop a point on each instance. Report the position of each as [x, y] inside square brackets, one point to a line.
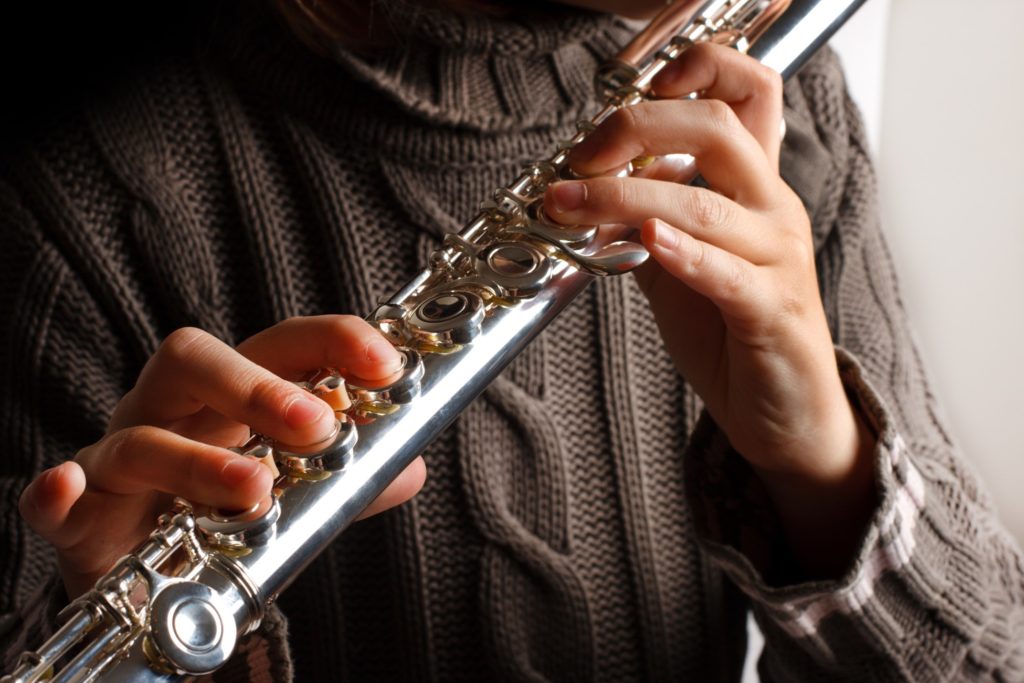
[519, 268]
[443, 307]
[191, 628]
[512, 259]
[240, 529]
[452, 317]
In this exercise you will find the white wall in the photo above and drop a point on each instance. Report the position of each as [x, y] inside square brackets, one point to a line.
[943, 105]
[942, 97]
[952, 180]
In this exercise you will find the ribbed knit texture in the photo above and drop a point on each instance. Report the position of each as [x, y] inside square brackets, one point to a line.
[251, 180]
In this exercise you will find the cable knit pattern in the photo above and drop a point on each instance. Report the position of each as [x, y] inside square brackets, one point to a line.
[559, 536]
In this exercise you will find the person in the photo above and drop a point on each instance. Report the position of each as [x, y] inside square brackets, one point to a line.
[177, 251]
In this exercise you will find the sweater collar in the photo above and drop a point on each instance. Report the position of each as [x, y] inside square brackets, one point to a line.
[485, 73]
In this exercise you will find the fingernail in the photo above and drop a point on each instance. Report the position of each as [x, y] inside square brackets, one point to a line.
[304, 411]
[238, 471]
[44, 488]
[50, 475]
[665, 236]
[381, 351]
[671, 71]
[568, 196]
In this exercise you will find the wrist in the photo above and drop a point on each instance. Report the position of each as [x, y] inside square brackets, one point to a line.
[824, 499]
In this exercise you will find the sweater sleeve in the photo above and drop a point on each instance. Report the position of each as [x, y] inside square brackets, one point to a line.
[936, 590]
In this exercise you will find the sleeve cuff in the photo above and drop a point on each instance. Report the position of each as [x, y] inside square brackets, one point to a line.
[738, 528]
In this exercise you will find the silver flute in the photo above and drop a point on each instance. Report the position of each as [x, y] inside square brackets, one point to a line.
[178, 605]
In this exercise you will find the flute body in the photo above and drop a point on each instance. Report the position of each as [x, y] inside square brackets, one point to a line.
[177, 606]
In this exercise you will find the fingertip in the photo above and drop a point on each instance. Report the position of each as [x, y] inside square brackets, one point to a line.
[45, 502]
[306, 411]
[241, 472]
[416, 476]
[381, 359]
[581, 154]
[62, 485]
[245, 482]
[649, 233]
[566, 197]
[684, 76]
[665, 81]
[257, 488]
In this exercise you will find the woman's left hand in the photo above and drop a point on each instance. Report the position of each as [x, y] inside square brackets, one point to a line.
[732, 280]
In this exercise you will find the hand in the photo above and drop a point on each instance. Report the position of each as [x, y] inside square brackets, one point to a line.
[732, 282]
[169, 437]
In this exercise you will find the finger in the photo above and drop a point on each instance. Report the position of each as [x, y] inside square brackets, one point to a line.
[404, 487]
[725, 152]
[193, 369]
[730, 282]
[47, 501]
[717, 72]
[706, 215]
[143, 459]
[345, 342]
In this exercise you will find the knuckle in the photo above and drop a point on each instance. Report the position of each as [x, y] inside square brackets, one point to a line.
[706, 209]
[181, 345]
[262, 396]
[792, 302]
[721, 115]
[734, 282]
[799, 252]
[769, 81]
[127, 443]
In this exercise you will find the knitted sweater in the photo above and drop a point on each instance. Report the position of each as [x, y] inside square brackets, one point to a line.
[581, 520]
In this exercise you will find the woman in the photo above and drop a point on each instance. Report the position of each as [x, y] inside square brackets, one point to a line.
[557, 537]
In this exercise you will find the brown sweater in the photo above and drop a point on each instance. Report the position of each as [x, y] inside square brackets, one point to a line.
[577, 523]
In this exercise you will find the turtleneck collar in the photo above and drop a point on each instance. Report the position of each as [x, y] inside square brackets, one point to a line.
[532, 32]
[485, 73]
[471, 72]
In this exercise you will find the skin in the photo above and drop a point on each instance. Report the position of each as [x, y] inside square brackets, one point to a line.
[169, 435]
[733, 287]
[735, 263]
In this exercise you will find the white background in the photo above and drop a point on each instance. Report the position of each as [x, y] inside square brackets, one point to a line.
[941, 86]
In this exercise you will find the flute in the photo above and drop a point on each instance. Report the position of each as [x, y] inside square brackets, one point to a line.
[177, 606]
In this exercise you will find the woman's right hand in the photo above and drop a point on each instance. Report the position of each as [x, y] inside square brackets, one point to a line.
[169, 437]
